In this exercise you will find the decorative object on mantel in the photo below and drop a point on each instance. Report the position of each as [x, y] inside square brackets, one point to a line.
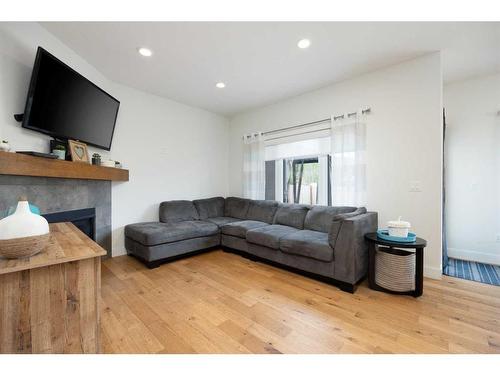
[4, 146]
[78, 151]
[96, 159]
[118, 164]
[108, 163]
[53, 145]
[60, 151]
[38, 154]
[23, 233]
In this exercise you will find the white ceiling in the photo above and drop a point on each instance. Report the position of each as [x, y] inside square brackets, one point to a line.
[260, 62]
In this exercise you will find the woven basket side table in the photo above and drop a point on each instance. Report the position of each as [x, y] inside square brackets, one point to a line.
[396, 267]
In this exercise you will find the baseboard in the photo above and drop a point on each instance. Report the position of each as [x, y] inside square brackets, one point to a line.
[118, 252]
[474, 256]
[433, 272]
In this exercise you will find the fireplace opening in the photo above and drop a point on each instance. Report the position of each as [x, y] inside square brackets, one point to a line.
[83, 219]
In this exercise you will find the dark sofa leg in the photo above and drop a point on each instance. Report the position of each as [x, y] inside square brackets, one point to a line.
[153, 264]
[346, 287]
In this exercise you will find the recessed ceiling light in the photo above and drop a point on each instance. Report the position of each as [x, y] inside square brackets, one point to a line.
[220, 85]
[304, 43]
[145, 51]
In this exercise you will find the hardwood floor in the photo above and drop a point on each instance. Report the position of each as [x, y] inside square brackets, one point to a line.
[223, 303]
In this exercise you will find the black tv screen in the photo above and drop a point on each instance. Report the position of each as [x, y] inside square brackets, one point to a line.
[65, 105]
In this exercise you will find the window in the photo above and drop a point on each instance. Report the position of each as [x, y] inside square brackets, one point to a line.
[324, 166]
[299, 171]
[305, 182]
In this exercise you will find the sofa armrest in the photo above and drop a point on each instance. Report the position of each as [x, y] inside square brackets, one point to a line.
[350, 250]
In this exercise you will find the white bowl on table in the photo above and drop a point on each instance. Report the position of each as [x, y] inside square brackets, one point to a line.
[398, 228]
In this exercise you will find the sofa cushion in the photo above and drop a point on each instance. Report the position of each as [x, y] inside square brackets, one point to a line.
[308, 243]
[240, 228]
[210, 207]
[292, 215]
[262, 210]
[236, 207]
[320, 218]
[154, 233]
[270, 235]
[174, 211]
[221, 220]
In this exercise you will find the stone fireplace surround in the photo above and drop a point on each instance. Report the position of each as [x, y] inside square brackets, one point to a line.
[60, 194]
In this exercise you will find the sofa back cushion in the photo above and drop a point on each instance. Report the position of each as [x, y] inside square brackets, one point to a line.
[262, 211]
[236, 207]
[174, 211]
[292, 215]
[210, 207]
[320, 218]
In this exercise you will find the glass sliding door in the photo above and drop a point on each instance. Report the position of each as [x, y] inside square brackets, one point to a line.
[301, 171]
[306, 180]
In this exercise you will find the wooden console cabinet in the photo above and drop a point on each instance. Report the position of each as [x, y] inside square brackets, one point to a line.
[49, 303]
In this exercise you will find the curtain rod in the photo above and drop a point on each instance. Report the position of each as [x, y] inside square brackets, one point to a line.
[335, 118]
[306, 132]
[350, 114]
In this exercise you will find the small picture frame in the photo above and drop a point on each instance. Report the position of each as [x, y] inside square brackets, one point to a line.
[78, 151]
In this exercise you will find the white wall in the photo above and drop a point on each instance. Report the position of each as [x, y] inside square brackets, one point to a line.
[404, 140]
[473, 169]
[173, 151]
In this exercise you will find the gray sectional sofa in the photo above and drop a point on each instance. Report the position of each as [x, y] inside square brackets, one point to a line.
[323, 242]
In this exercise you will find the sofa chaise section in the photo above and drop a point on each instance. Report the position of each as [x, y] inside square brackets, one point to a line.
[180, 231]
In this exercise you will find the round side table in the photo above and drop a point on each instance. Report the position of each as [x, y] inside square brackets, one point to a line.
[396, 249]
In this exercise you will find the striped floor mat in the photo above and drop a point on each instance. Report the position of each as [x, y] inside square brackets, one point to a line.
[481, 272]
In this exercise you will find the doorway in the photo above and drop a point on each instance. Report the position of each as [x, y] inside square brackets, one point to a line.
[471, 205]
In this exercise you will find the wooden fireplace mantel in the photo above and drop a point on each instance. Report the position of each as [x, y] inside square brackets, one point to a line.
[26, 165]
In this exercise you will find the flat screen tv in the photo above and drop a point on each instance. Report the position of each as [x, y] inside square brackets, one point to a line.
[65, 105]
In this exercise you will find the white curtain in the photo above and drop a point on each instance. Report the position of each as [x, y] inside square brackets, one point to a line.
[254, 177]
[348, 142]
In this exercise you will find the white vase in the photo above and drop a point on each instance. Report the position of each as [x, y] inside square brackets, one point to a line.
[23, 223]
[4, 146]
